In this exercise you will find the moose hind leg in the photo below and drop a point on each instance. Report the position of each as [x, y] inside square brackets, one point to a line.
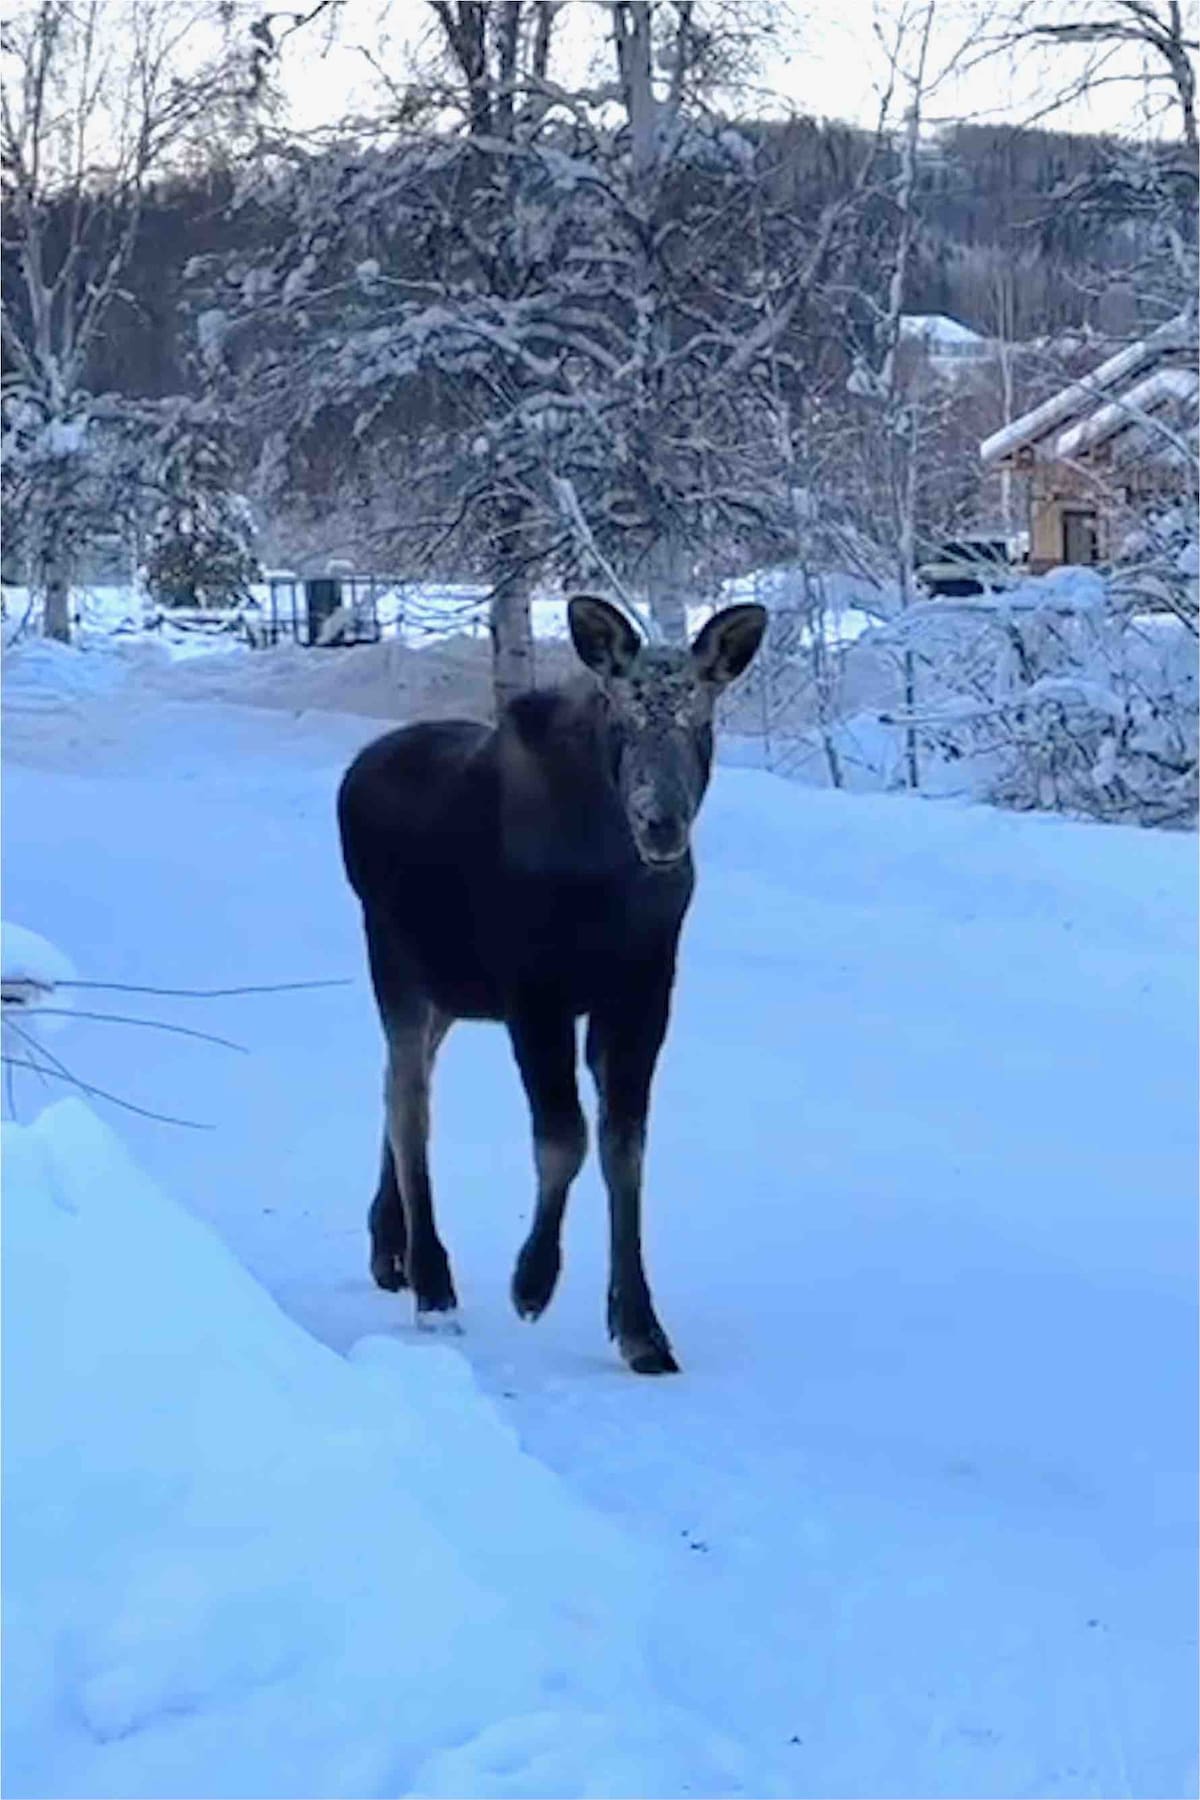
[410, 1058]
[389, 1239]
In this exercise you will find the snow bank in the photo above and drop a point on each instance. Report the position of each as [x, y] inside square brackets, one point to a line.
[98, 609]
[239, 1564]
[40, 675]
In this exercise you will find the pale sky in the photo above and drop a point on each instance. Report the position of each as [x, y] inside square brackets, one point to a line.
[828, 62]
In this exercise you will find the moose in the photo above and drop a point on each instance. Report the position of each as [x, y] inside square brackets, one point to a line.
[533, 873]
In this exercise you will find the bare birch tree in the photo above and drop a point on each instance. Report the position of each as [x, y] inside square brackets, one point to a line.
[1082, 46]
[878, 376]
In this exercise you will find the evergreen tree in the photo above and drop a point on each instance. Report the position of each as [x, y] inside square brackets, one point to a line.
[201, 549]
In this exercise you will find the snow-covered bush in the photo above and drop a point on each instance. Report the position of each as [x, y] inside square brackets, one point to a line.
[1159, 563]
[1065, 694]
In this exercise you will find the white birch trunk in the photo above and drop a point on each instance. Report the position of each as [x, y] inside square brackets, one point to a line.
[55, 583]
[665, 593]
[512, 644]
[511, 626]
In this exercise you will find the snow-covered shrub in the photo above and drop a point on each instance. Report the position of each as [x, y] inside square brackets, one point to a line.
[1065, 694]
[1159, 563]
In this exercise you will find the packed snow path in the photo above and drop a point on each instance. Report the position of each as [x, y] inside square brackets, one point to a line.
[920, 1222]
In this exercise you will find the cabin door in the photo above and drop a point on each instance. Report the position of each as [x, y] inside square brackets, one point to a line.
[1079, 536]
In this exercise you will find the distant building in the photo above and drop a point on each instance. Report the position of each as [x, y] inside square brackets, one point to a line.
[1106, 449]
[946, 343]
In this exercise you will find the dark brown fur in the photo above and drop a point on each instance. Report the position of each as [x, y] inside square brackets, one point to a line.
[535, 874]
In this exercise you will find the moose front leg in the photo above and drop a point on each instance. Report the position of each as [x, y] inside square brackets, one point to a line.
[623, 1041]
[412, 1045]
[542, 1029]
[389, 1238]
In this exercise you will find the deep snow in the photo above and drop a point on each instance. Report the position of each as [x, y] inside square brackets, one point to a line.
[239, 1564]
[920, 1513]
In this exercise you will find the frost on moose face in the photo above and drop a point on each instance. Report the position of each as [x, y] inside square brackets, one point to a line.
[663, 714]
[661, 701]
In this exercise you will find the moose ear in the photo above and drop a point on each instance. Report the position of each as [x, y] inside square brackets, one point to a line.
[603, 637]
[725, 647]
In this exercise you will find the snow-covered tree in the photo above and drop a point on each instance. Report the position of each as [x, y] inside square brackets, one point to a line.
[200, 549]
[1147, 46]
[97, 96]
[880, 377]
[1142, 190]
[562, 298]
[414, 285]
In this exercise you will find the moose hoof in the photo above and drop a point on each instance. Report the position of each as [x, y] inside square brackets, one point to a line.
[387, 1271]
[439, 1321]
[526, 1307]
[533, 1283]
[649, 1354]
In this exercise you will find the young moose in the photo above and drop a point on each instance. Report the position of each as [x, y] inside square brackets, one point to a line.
[534, 873]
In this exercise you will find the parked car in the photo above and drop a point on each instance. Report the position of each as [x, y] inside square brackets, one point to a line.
[975, 564]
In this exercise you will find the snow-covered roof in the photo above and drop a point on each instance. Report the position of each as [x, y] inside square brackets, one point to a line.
[1082, 397]
[942, 335]
[1133, 412]
[939, 326]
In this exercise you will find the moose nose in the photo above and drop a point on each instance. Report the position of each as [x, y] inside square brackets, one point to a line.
[662, 837]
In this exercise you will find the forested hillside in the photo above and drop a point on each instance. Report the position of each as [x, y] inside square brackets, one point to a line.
[998, 248]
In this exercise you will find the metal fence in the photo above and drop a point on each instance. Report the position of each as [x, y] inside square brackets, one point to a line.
[809, 705]
[319, 611]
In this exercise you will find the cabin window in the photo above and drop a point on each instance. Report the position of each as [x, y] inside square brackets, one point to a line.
[1079, 536]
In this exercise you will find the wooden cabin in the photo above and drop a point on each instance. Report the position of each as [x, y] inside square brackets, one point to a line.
[1105, 450]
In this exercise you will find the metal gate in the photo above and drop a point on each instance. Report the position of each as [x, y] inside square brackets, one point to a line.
[321, 611]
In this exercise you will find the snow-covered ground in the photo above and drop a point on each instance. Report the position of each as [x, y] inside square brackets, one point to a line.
[917, 1519]
[419, 613]
[239, 1564]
